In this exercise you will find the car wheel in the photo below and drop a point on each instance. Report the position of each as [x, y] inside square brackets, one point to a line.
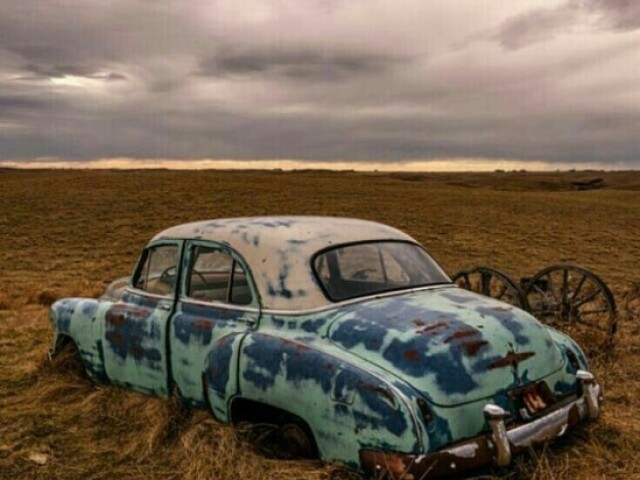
[296, 441]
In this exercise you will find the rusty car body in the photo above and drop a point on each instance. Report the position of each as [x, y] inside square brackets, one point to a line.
[345, 332]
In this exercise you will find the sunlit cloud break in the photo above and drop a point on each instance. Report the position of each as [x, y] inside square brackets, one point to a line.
[441, 165]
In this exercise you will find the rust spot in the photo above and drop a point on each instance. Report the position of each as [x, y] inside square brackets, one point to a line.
[329, 366]
[574, 416]
[385, 392]
[460, 334]
[294, 344]
[434, 465]
[502, 309]
[412, 355]
[203, 324]
[472, 347]
[137, 351]
[433, 327]
[511, 360]
[132, 309]
[115, 337]
[418, 323]
[114, 319]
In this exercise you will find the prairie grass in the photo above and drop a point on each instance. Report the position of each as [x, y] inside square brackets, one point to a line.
[69, 233]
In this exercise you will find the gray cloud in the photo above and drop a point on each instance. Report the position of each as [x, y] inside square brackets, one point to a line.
[307, 64]
[320, 80]
[534, 26]
[545, 23]
[618, 14]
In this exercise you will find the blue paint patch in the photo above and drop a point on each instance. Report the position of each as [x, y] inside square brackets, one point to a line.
[509, 320]
[269, 355]
[186, 326]
[89, 308]
[341, 409]
[562, 388]
[412, 358]
[355, 331]
[219, 361]
[312, 326]
[140, 300]
[64, 311]
[127, 329]
[387, 414]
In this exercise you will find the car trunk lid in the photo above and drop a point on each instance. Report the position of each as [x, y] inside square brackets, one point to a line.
[452, 345]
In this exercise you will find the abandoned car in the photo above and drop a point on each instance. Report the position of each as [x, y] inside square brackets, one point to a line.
[345, 333]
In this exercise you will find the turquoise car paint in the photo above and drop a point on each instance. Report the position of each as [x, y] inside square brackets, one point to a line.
[407, 371]
[430, 337]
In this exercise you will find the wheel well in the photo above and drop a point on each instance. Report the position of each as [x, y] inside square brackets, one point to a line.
[245, 410]
[63, 342]
[255, 412]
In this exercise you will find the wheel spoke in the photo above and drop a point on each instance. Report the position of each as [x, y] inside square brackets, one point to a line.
[587, 299]
[595, 325]
[590, 312]
[553, 291]
[576, 297]
[539, 290]
[579, 287]
[485, 279]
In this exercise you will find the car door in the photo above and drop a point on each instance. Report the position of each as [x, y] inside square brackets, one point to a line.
[135, 327]
[217, 305]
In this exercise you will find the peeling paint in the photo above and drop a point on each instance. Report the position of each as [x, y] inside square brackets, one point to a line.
[409, 372]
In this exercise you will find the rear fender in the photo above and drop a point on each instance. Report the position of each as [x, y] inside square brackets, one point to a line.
[346, 406]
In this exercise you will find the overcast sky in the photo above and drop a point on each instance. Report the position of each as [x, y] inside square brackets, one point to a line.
[376, 80]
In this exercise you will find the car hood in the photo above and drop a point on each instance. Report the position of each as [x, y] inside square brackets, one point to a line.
[452, 345]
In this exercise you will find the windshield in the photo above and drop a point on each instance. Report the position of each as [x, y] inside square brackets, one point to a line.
[367, 268]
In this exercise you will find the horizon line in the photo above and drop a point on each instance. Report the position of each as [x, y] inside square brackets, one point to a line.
[449, 165]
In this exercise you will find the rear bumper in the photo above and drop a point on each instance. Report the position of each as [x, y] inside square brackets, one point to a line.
[495, 447]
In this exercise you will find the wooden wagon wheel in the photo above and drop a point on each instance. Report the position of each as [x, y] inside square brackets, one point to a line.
[492, 283]
[573, 299]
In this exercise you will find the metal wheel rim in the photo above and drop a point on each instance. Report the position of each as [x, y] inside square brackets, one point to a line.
[568, 295]
[491, 283]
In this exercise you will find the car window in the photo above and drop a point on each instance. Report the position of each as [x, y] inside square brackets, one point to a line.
[158, 272]
[215, 276]
[363, 269]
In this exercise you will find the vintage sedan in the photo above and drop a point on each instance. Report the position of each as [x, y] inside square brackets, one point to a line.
[345, 333]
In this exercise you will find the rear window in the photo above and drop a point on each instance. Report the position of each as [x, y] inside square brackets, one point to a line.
[362, 269]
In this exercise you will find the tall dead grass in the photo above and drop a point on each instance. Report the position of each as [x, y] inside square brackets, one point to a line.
[54, 424]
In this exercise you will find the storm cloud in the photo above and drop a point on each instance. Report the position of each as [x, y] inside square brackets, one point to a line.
[339, 80]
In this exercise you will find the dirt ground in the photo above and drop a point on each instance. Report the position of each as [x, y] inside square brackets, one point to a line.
[65, 233]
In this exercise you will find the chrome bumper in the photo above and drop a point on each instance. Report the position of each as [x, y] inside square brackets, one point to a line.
[546, 428]
[496, 447]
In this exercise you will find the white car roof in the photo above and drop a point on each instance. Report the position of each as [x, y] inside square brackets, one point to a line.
[279, 249]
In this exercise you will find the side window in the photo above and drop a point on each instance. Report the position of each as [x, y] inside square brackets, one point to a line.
[158, 272]
[216, 277]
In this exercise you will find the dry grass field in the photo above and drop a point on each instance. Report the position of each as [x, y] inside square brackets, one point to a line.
[66, 233]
